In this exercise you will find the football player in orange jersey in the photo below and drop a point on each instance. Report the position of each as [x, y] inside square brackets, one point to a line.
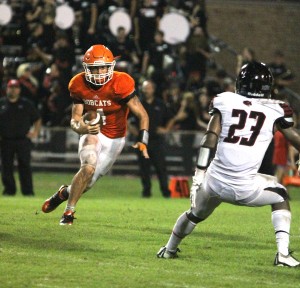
[112, 95]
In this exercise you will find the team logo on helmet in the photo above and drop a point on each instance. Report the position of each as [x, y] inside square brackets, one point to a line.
[255, 80]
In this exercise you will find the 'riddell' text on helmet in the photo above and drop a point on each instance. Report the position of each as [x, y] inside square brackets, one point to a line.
[98, 63]
[255, 80]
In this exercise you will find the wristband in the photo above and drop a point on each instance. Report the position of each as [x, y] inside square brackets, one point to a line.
[204, 157]
[143, 136]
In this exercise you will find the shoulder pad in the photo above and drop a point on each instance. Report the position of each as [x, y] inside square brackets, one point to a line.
[124, 84]
[288, 111]
[211, 109]
[287, 120]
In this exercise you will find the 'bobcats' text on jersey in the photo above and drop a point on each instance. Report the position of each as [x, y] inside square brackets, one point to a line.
[247, 130]
[109, 100]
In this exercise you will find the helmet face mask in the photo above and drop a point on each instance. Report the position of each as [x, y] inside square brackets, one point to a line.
[255, 80]
[98, 63]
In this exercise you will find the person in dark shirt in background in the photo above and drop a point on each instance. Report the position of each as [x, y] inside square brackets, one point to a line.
[158, 118]
[153, 62]
[283, 76]
[17, 116]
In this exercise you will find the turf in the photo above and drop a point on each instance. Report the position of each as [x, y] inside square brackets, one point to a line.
[116, 236]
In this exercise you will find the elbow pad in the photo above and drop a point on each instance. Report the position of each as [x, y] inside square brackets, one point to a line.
[204, 157]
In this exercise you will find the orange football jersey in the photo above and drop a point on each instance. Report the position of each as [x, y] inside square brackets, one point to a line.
[109, 100]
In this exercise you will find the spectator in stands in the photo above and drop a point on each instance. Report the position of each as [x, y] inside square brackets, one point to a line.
[38, 50]
[173, 97]
[63, 55]
[146, 22]
[204, 101]
[17, 117]
[84, 28]
[215, 84]
[106, 9]
[47, 18]
[1, 70]
[198, 15]
[197, 53]
[56, 100]
[195, 11]
[283, 76]
[187, 121]
[245, 57]
[39, 39]
[123, 44]
[29, 84]
[32, 11]
[194, 82]
[158, 119]
[228, 85]
[153, 65]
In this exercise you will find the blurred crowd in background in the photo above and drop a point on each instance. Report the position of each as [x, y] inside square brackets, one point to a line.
[44, 57]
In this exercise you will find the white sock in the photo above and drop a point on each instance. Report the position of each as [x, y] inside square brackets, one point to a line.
[281, 220]
[182, 228]
[69, 208]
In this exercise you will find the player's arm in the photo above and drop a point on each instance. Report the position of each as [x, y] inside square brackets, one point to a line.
[207, 146]
[77, 123]
[285, 126]
[139, 111]
[209, 141]
[293, 136]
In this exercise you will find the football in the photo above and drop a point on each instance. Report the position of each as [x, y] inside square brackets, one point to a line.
[91, 117]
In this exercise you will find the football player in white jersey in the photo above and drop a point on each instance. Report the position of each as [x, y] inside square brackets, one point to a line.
[240, 129]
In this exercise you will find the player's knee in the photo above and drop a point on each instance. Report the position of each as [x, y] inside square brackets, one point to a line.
[193, 218]
[280, 191]
[88, 170]
[88, 156]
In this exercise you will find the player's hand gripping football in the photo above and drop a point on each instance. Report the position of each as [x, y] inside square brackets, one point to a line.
[85, 128]
[142, 147]
[93, 129]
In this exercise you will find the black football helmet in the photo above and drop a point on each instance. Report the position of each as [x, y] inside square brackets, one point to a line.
[255, 80]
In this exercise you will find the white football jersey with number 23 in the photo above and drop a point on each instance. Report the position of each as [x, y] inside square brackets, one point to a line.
[247, 130]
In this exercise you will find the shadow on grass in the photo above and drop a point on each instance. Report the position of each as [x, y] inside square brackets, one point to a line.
[45, 244]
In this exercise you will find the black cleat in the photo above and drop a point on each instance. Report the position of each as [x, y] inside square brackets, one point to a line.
[54, 201]
[67, 218]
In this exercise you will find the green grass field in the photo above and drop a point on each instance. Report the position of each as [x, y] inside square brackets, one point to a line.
[114, 241]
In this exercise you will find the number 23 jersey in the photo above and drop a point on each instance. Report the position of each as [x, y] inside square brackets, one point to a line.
[247, 127]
